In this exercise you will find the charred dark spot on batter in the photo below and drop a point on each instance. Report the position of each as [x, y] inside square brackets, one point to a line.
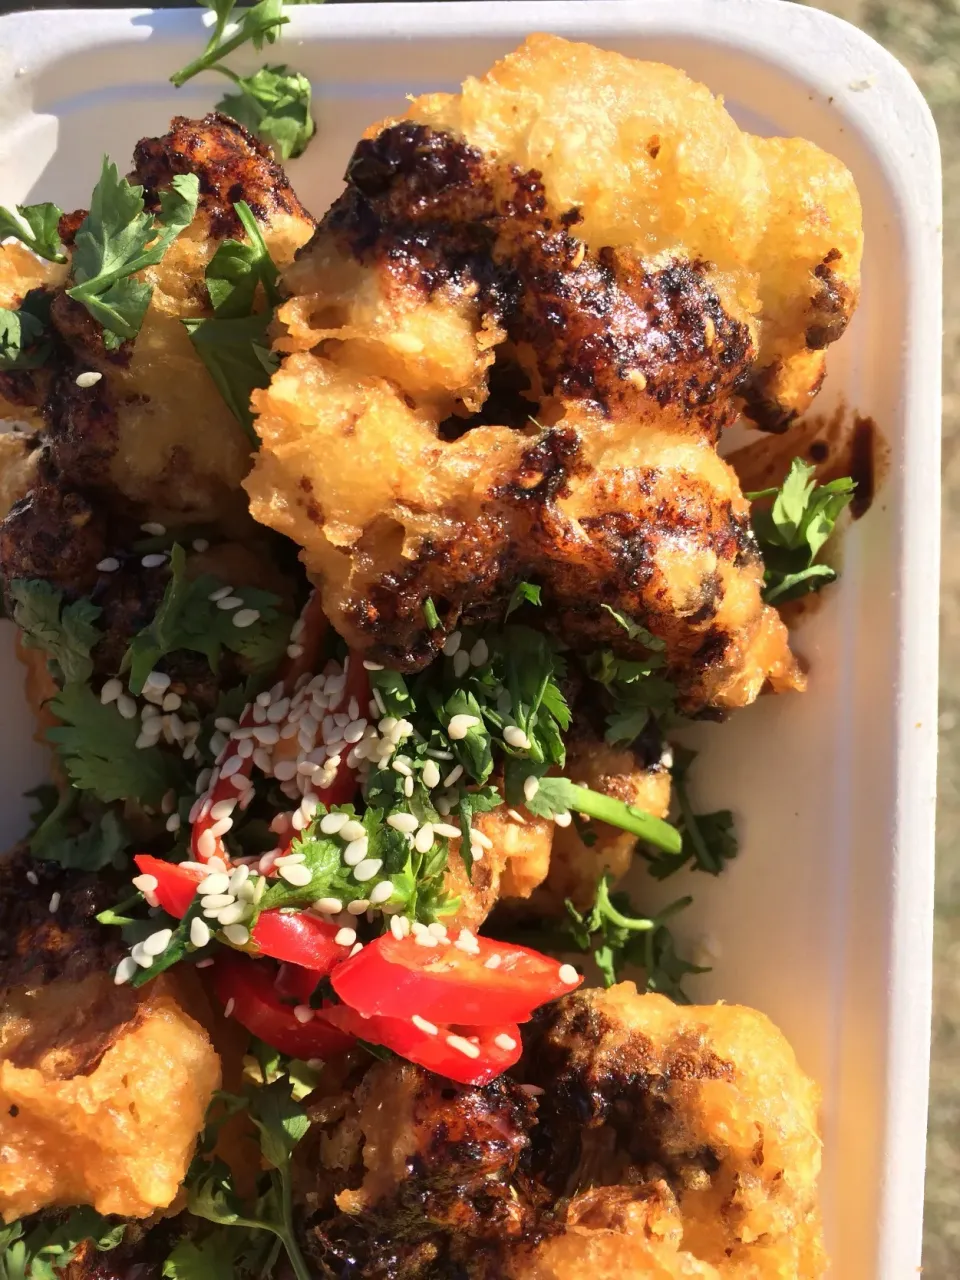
[819, 451]
[831, 305]
[546, 467]
[761, 403]
[69, 225]
[711, 652]
[306, 484]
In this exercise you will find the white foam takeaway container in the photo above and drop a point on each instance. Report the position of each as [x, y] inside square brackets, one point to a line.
[825, 919]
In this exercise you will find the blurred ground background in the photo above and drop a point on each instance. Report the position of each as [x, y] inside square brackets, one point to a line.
[925, 35]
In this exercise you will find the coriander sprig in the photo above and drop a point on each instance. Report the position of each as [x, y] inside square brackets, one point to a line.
[261, 22]
[36, 226]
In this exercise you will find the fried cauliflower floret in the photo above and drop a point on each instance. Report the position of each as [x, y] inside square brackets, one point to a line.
[659, 1142]
[117, 1132]
[22, 390]
[513, 343]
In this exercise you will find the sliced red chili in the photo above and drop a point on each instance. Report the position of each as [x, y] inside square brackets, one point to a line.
[247, 988]
[476, 980]
[467, 1054]
[176, 885]
[299, 939]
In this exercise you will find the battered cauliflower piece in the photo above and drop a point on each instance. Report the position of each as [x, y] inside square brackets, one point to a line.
[22, 390]
[511, 348]
[659, 1141]
[117, 1133]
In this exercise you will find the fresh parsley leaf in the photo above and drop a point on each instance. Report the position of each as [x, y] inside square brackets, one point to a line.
[65, 633]
[282, 1122]
[97, 747]
[24, 333]
[212, 1258]
[238, 267]
[619, 937]
[260, 23]
[177, 948]
[40, 235]
[793, 528]
[187, 618]
[273, 103]
[430, 615]
[51, 1243]
[634, 630]
[237, 355]
[523, 593]
[118, 238]
[634, 693]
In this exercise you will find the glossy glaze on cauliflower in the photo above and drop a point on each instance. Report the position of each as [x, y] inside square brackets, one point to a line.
[514, 341]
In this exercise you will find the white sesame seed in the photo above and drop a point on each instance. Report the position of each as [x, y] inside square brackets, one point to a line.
[221, 828]
[226, 603]
[563, 818]
[294, 651]
[206, 844]
[479, 653]
[173, 823]
[228, 1007]
[345, 937]
[399, 927]
[238, 934]
[568, 975]
[453, 776]
[111, 690]
[54, 904]
[289, 858]
[154, 529]
[32, 877]
[408, 787]
[381, 892]
[426, 940]
[460, 726]
[221, 593]
[219, 882]
[356, 851]
[303, 1013]
[514, 736]
[446, 829]
[268, 735]
[354, 731]
[463, 1046]
[352, 830]
[431, 774]
[216, 901]
[328, 906]
[216, 863]
[423, 1025]
[505, 1042]
[222, 808]
[358, 906]
[278, 710]
[199, 932]
[423, 841]
[483, 841]
[126, 706]
[404, 770]
[437, 930]
[367, 869]
[110, 564]
[493, 962]
[125, 970]
[234, 914]
[89, 379]
[531, 785]
[148, 736]
[172, 702]
[145, 883]
[154, 560]
[451, 644]
[285, 770]
[402, 822]
[246, 617]
[461, 661]
[157, 942]
[296, 874]
[201, 545]
[140, 956]
[371, 666]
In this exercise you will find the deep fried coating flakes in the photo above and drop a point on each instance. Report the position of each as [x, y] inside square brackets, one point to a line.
[514, 341]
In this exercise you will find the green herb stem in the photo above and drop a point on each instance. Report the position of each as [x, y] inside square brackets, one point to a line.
[626, 816]
[214, 52]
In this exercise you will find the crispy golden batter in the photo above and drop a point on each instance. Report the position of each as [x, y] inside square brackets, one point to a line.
[512, 346]
[663, 1142]
[110, 1121]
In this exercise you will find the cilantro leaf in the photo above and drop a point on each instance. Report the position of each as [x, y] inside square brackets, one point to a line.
[523, 593]
[633, 691]
[238, 267]
[260, 23]
[273, 103]
[709, 839]
[41, 234]
[212, 1258]
[619, 937]
[282, 1123]
[65, 633]
[98, 844]
[118, 238]
[793, 528]
[634, 630]
[237, 355]
[187, 618]
[97, 747]
[51, 1243]
[24, 333]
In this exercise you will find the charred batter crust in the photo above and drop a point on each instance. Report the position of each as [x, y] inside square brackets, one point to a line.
[56, 534]
[231, 163]
[38, 946]
[831, 305]
[464, 1204]
[622, 1090]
